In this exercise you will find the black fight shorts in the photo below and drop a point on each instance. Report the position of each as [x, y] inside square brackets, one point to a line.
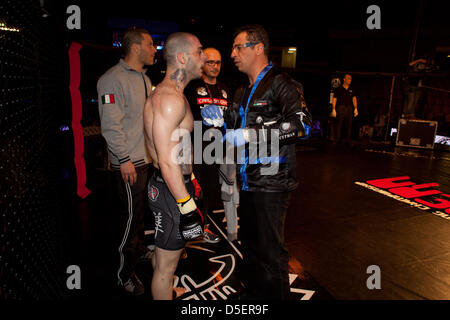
[165, 209]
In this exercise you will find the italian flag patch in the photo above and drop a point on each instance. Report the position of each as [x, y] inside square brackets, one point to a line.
[108, 99]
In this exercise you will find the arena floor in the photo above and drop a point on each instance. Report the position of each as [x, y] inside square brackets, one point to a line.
[351, 236]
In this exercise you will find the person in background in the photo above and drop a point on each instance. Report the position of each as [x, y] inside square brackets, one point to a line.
[413, 87]
[122, 92]
[202, 92]
[344, 108]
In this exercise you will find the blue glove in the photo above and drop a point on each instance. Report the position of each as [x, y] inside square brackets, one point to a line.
[237, 137]
[307, 132]
[212, 115]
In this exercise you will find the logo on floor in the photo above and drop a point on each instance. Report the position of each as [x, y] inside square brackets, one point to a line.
[217, 285]
[212, 272]
[421, 196]
[214, 287]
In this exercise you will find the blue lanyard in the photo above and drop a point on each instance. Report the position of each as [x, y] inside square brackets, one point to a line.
[243, 113]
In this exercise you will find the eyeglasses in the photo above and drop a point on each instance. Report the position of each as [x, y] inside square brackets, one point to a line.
[213, 62]
[245, 45]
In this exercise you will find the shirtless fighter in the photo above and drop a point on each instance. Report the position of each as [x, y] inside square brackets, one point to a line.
[168, 122]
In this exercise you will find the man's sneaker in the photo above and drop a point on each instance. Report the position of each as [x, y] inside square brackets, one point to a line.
[134, 286]
[210, 237]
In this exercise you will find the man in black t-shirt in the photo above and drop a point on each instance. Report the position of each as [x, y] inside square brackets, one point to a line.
[344, 108]
[208, 90]
[200, 93]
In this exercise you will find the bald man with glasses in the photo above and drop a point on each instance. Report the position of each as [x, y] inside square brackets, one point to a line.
[200, 93]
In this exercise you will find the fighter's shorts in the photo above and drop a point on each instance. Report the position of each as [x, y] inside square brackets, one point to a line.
[165, 210]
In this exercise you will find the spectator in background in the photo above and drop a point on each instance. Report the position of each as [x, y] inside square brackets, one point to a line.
[413, 90]
[331, 118]
[200, 93]
[122, 92]
[344, 108]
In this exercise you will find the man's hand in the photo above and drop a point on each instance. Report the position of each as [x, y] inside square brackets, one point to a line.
[212, 115]
[333, 113]
[355, 112]
[128, 173]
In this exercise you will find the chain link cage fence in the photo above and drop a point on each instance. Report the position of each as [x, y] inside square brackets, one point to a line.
[32, 97]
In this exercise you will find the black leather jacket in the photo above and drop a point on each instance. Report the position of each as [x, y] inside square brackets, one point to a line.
[275, 104]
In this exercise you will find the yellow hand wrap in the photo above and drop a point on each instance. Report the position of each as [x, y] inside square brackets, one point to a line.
[187, 205]
[184, 199]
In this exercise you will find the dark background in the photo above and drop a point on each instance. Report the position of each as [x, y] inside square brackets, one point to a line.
[331, 38]
[38, 192]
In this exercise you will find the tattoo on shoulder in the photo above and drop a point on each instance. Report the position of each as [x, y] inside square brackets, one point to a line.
[179, 75]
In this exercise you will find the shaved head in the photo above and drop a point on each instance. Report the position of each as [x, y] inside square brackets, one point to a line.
[175, 43]
[211, 51]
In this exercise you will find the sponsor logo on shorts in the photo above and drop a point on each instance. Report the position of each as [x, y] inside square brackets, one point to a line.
[153, 193]
[158, 223]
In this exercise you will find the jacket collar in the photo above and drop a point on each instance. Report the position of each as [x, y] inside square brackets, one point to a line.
[126, 66]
